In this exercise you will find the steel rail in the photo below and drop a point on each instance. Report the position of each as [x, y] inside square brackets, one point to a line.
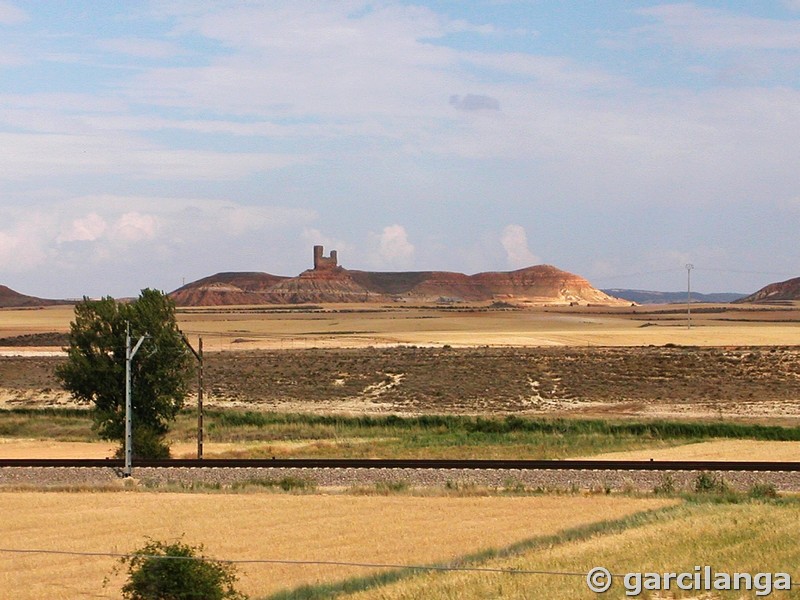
[377, 463]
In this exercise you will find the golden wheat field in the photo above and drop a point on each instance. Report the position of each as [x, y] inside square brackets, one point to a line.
[751, 538]
[747, 450]
[371, 529]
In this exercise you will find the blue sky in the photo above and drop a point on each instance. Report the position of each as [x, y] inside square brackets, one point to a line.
[146, 144]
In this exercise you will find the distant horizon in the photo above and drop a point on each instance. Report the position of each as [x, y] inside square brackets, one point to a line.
[154, 142]
[599, 287]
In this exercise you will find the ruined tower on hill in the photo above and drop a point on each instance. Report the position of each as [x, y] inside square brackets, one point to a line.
[324, 263]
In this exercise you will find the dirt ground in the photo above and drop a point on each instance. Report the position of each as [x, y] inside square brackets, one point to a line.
[735, 361]
[689, 382]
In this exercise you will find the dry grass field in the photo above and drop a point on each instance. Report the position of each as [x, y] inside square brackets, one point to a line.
[367, 529]
[358, 326]
[749, 538]
[747, 450]
[33, 448]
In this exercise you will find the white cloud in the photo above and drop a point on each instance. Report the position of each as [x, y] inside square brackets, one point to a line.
[83, 229]
[11, 14]
[393, 247]
[515, 242]
[24, 155]
[24, 241]
[135, 227]
[714, 29]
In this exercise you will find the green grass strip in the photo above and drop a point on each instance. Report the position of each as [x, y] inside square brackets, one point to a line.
[358, 584]
[512, 424]
[443, 424]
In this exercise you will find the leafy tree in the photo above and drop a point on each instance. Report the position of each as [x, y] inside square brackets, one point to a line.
[177, 571]
[160, 371]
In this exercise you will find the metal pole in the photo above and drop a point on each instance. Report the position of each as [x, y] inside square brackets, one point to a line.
[689, 268]
[200, 401]
[128, 405]
[129, 354]
[198, 354]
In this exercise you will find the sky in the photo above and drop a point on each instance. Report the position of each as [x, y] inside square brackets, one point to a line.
[148, 144]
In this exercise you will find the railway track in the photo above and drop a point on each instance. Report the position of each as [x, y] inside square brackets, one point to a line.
[369, 463]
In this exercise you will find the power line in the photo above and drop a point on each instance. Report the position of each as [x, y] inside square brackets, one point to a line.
[282, 561]
[336, 563]
[704, 269]
[639, 274]
[276, 561]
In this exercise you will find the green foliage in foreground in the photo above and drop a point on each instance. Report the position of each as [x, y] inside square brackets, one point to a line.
[177, 571]
[94, 372]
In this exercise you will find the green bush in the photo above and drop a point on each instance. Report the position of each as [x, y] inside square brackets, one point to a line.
[763, 491]
[709, 483]
[147, 444]
[177, 571]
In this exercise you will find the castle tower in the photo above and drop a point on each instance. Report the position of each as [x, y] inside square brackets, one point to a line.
[323, 263]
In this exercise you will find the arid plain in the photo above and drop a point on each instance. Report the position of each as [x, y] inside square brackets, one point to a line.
[721, 363]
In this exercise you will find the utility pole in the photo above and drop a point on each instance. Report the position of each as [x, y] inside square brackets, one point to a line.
[689, 268]
[129, 354]
[198, 354]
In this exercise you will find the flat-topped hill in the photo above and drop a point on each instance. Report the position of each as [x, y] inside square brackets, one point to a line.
[328, 282]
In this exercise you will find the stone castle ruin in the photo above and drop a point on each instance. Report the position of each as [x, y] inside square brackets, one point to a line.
[324, 263]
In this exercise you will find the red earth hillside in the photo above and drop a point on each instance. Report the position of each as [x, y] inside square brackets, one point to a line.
[328, 282]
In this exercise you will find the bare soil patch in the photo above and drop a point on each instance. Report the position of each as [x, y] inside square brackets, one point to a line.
[688, 382]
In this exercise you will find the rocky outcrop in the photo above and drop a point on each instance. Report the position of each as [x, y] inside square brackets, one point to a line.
[543, 283]
[227, 289]
[319, 286]
[784, 291]
[330, 283]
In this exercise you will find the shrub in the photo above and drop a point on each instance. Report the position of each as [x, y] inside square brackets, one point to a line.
[666, 486]
[709, 483]
[763, 491]
[177, 571]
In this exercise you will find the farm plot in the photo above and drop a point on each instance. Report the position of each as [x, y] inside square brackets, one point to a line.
[746, 538]
[361, 529]
[654, 382]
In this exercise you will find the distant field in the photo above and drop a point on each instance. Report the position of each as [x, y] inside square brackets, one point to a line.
[643, 382]
[357, 326]
[371, 529]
